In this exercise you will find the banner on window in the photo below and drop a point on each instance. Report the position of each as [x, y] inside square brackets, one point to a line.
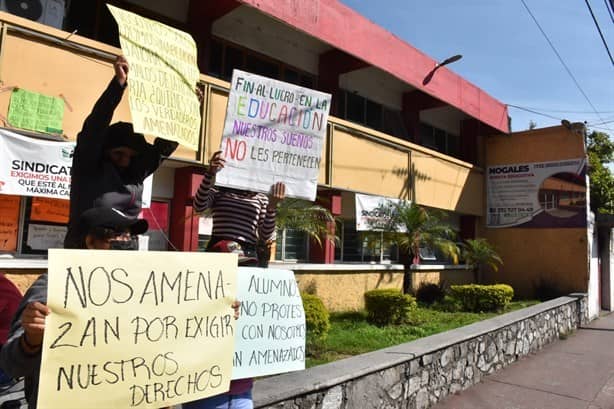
[274, 132]
[34, 167]
[373, 213]
[542, 194]
[40, 168]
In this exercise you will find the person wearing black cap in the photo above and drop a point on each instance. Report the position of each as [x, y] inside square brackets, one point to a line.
[102, 228]
[110, 162]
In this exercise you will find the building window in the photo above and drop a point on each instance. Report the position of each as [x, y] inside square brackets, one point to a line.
[361, 110]
[31, 225]
[225, 57]
[355, 108]
[157, 216]
[439, 140]
[364, 246]
[291, 245]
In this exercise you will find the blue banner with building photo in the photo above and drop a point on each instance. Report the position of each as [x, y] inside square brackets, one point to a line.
[542, 194]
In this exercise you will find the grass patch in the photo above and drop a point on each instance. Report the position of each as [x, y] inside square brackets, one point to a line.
[351, 334]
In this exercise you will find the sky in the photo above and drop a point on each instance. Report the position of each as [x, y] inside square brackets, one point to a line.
[505, 54]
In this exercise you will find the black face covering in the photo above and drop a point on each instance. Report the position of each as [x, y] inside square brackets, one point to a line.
[131, 244]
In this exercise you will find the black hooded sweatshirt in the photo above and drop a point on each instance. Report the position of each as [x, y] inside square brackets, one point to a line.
[96, 182]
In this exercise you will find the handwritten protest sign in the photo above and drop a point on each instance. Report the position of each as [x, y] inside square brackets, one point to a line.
[163, 77]
[49, 210]
[271, 330]
[44, 236]
[9, 222]
[135, 329]
[274, 132]
[36, 112]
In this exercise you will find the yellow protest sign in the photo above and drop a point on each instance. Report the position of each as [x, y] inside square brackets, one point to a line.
[162, 78]
[136, 329]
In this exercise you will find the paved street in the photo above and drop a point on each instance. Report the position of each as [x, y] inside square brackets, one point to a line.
[575, 373]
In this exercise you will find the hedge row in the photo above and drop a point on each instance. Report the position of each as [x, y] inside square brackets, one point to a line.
[388, 306]
[476, 298]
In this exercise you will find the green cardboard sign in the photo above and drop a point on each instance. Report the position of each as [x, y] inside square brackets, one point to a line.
[36, 112]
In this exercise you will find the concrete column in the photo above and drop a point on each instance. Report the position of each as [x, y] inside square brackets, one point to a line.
[414, 102]
[201, 16]
[184, 224]
[469, 132]
[326, 252]
[331, 65]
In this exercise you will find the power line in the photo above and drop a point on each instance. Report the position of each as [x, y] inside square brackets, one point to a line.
[561, 60]
[602, 123]
[605, 44]
[534, 112]
[607, 6]
[563, 111]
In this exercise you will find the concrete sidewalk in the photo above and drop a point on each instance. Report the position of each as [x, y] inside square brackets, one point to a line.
[574, 373]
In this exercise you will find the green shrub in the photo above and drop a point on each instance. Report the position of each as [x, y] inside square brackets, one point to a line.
[447, 304]
[317, 318]
[476, 298]
[428, 293]
[388, 306]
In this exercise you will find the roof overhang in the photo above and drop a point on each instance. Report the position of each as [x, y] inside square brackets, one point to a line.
[345, 29]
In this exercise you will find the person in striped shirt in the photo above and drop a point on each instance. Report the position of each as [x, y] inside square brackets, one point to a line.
[238, 215]
[245, 218]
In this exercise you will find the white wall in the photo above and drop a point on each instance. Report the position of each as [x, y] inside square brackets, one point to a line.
[606, 258]
[256, 31]
[593, 281]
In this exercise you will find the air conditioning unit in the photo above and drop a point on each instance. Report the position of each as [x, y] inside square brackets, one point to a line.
[48, 12]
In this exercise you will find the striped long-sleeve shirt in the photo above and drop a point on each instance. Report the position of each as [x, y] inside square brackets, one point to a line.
[237, 215]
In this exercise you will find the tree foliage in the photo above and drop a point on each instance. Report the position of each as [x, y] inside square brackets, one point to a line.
[307, 217]
[417, 227]
[600, 150]
[479, 253]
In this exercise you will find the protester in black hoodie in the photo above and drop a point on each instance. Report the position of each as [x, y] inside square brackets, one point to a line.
[110, 162]
[101, 228]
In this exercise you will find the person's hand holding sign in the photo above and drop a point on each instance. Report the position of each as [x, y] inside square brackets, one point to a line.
[216, 163]
[121, 70]
[33, 323]
[276, 194]
[236, 306]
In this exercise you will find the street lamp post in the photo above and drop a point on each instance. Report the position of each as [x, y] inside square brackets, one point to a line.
[437, 66]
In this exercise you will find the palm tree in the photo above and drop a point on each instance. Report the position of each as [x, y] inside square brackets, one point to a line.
[303, 216]
[415, 228]
[479, 254]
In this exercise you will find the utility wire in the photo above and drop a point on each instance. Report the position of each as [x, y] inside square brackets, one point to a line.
[605, 44]
[534, 112]
[602, 123]
[561, 60]
[563, 111]
[607, 6]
